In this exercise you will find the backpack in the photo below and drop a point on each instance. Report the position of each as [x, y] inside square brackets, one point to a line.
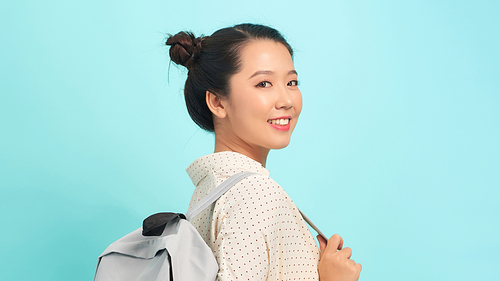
[167, 247]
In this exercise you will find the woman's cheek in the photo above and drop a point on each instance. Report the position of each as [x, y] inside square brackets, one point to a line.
[299, 104]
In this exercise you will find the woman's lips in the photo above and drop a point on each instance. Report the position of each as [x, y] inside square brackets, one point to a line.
[281, 123]
[281, 128]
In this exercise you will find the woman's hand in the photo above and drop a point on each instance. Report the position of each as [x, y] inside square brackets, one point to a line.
[336, 265]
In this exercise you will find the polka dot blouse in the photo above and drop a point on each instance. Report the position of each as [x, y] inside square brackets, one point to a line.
[255, 230]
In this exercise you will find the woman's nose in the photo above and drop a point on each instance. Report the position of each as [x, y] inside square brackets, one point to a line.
[284, 99]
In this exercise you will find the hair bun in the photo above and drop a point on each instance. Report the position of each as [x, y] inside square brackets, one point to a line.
[184, 48]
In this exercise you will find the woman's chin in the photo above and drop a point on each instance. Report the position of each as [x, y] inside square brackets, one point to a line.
[280, 145]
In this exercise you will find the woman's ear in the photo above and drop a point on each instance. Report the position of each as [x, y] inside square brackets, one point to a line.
[215, 105]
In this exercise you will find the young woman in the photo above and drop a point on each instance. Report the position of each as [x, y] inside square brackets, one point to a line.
[242, 85]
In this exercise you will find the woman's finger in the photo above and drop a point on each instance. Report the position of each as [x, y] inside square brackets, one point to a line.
[346, 253]
[334, 243]
[351, 262]
[322, 243]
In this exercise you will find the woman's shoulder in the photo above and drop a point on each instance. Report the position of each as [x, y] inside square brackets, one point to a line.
[257, 184]
[255, 191]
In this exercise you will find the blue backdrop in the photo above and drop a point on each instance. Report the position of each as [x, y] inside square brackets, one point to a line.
[397, 148]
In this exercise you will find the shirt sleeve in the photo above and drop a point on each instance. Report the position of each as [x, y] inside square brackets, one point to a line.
[259, 235]
[244, 227]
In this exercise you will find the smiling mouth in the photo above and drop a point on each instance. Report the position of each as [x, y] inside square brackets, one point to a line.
[279, 122]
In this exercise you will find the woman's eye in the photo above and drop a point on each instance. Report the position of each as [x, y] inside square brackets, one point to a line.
[293, 83]
[264, 84]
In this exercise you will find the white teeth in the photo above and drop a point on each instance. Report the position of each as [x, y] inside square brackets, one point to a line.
[281, 122]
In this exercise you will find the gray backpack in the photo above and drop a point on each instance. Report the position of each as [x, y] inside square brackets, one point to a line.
[166, 248]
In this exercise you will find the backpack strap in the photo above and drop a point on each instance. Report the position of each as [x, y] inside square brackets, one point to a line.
[216, 193]
[225, 186]
[312, 225]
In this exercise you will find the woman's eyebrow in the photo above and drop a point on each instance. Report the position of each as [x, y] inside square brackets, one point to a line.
[269, 72]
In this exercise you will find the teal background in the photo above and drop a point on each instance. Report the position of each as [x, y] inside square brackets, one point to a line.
[397, 147]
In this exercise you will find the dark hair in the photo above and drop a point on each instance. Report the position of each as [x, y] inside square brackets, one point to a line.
[211, 61]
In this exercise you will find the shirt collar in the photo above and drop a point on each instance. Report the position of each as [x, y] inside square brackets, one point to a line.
[223, 164]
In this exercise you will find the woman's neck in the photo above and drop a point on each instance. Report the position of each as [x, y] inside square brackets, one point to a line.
[258, 154]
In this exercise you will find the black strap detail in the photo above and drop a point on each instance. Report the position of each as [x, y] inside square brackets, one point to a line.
[155, 224]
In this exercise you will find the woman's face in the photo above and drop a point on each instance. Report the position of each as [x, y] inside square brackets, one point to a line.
[264, 101]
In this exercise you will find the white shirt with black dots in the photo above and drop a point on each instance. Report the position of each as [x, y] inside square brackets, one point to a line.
[255, 230]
